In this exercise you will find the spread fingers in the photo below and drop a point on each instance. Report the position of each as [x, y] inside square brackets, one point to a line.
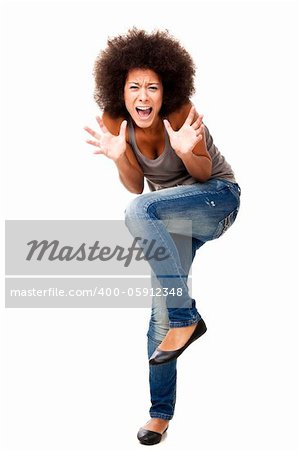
[92, 132]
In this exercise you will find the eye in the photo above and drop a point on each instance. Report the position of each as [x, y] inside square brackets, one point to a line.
[153, 88]
[133, 87]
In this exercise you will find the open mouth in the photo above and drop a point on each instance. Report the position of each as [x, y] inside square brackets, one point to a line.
[144, 111]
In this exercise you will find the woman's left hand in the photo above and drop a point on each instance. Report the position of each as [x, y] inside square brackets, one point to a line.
[185, 139]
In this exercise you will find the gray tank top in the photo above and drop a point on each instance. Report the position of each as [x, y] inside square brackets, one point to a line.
[168, 169]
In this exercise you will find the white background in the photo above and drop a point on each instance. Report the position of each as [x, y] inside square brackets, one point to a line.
[77, 378]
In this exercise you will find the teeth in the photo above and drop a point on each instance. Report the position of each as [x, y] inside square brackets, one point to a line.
[143, 108]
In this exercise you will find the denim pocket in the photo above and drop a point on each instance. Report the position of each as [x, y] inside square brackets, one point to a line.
[225, 223]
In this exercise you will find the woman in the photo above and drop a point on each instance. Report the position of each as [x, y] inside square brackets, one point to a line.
[151, 130]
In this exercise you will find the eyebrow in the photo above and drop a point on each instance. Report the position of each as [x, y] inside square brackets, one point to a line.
[151, 82]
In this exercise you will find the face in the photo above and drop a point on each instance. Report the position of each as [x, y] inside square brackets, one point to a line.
[143, 95]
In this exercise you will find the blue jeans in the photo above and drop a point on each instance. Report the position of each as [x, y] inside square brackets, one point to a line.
[160, 217]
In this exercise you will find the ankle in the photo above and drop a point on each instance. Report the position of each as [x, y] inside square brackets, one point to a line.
[156, 424]
[159, 420]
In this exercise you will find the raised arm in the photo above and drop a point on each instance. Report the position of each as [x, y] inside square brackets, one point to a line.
[187, 138]
[112, 142]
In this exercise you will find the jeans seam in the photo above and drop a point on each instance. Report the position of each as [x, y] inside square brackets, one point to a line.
[161, 416]
[186, 323]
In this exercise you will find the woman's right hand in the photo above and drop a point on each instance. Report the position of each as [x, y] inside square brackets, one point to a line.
[108, 144]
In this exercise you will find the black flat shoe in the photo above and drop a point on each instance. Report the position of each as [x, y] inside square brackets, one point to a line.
[163, 356]
[148, 437]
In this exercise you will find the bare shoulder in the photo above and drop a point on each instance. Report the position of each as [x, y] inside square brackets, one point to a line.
[178, 117]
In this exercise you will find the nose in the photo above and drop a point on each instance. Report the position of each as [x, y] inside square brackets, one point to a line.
[143, 94]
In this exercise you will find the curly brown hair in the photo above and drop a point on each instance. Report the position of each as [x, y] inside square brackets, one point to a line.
[158, 51]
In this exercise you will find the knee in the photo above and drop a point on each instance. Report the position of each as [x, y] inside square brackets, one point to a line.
[137, 210]
[133, 208]
[132, 212]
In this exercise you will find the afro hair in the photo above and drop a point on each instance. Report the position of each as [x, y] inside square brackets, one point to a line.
[158, 51]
